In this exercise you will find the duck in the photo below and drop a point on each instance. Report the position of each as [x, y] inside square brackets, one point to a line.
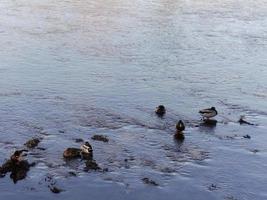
[208, 112]
[160, 110]
[17, 156]
[86, 148]
[180, 126]
[86, 151]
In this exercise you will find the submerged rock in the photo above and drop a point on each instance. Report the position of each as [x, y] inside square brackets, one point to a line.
[91, 165]
[149, 182]
[247, 136]
[78, 140]
[55, 189]
[209, 122]
[179, 136]
[71, 153]
[102, 138]
[32, 143]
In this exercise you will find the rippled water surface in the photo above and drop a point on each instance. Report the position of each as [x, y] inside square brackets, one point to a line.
[74, 68]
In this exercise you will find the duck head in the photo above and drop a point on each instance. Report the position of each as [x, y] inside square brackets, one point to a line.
[160, 110]
[180, 126]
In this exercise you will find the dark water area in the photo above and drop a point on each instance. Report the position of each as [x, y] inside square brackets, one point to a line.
[71, 69]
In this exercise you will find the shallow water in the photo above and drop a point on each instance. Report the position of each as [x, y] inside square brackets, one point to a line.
[71, 69]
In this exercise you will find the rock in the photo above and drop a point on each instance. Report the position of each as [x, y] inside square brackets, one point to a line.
[255, 150]
[100, 138]
[71, 173]
[87, 156]
[247, 136]
[209, 122]
[243, 121]
[32, 143]
[213, 187]
[149, 182]
[55, 189]
[91, 165]
[160, 110]
[179, 136]
[78, 140]
[71, 153]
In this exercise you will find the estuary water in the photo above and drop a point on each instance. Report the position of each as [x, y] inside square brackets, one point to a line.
[75, 68]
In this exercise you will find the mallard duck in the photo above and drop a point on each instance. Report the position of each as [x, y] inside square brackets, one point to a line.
[180, 126]
[208, 112]
[160, 110]
[18, 156]
[86, 148]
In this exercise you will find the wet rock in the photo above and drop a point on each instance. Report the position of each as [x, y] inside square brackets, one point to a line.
[209, 122]
[100, 138]
[213, 187]
[17, 166]
[91, 165]
[255, 150]
[32, 143]
[243, 121]
[179, 136]
[247, 136]
[41, 148]
[55, 189]
[72, 174]
[149, 182]
[160, 110]
[71, 153]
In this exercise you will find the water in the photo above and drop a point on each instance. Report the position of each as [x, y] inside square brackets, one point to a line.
[71, 69]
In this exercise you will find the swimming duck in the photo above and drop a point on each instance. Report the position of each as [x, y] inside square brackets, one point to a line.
[208, 112]
[160, 110]
[87, 151]
[180, 126]
[86, 148]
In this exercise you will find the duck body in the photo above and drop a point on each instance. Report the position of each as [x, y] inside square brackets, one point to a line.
[208, 112]
[71, 153]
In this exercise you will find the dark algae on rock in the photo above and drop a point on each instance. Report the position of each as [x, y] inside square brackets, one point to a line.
[102, 138]
[149, 181]
[32, 143]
